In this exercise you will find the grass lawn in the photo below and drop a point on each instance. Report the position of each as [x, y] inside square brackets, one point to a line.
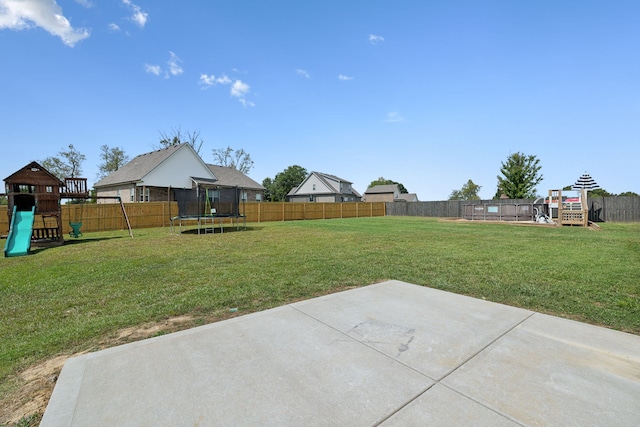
[67, 299]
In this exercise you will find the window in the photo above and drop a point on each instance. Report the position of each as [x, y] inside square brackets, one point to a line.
[243, 196]
[258, 197]
[314, 187]
[132, 195]
[49, 189]
[143, 194]
[25, 189]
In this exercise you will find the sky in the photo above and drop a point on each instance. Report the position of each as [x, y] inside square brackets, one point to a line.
[429, 94]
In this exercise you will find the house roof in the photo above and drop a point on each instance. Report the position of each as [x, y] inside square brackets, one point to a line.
[380, 189]
[31, 174]
[332, 177]
[326, 179]
[138, 167]
[230, 177]
[409, 197]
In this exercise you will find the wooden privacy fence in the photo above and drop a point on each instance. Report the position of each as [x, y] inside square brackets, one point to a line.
[607, 209]
[107, 217]
[614, 209]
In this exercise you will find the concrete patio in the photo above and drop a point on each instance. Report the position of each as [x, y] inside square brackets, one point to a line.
[391, 354]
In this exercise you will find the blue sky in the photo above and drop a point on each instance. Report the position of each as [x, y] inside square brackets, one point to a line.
[426, 93]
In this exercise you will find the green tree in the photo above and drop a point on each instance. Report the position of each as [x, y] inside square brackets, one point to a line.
[176, 136]
[112, 160]
[383, 181]
[599, 192]
[267, 183]
[276, 190]
[628, 193]
[469, 191]
[236, 159]
[520, 176]
[68, 164]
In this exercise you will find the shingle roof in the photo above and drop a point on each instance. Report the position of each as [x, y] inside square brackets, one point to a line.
[378, 189]
[231, 177]
[409, 197]
[327, 175]
[138, 168]
[326, 179]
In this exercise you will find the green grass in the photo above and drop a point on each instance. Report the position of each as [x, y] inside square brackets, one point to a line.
[65, 299]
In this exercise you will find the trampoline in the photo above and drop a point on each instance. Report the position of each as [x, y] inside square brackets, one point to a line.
[205, 205]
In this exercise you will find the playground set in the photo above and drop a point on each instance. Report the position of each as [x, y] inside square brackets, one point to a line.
[34, 198]
[568, 207]
[562, 207]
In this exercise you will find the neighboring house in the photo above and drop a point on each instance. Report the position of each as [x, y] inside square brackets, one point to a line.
[149, 177]
[388, 193]
[322, 187]
[407, 197]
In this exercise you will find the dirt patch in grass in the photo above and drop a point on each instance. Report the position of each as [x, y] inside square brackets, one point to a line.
[26, 405]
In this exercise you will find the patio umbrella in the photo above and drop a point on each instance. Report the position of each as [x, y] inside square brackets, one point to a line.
[586, 182]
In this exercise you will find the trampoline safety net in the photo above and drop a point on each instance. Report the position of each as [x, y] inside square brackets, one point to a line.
[199, 202]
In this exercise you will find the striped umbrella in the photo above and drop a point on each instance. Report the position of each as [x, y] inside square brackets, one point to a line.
[585, 181]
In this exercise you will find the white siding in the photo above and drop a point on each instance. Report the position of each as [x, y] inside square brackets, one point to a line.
[177, 170]
[307, 186]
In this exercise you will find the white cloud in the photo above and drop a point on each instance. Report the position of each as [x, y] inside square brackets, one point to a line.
[46, 14]
[152, 69]
[113, 27]
[373, 39]
[209, 80]
[246, 103]
[137, 16]
[174, 64]
[344, 78]
[224, 79]
[239, 89]
[394, 117]
[303, 73]
[85, 3]
[173, 67]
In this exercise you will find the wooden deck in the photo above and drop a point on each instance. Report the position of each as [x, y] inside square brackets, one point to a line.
[74, 188]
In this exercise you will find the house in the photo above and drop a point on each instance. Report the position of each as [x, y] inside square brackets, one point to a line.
[150, 177]
[407, 197]
[230, 177]
[388, 193]
[322, 187]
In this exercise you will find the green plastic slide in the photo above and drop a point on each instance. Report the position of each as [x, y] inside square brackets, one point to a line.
[19, 239]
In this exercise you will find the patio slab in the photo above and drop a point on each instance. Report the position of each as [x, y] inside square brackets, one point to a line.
[391, 354]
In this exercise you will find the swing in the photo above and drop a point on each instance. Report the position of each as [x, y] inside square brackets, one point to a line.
[75, 225]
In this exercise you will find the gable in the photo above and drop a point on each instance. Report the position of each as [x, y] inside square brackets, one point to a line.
[33, 174]
[176, 170]
[169, 167]
[314, 184]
